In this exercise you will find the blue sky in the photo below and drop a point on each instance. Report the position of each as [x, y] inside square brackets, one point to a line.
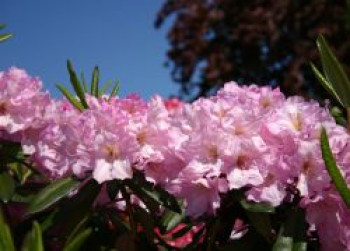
[118, 36]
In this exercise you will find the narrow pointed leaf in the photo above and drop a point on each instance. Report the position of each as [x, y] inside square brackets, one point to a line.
[154, 197]
[6, 241]
[77, 209]
[2, 26]
[257, 207]
[105, 87]
[84, 82]
[115, 90]
[5, 36]
[76, 85]
[300, 246]
[78, 228]
[34, 239]
[338, 115]
[7, 186]
[21, 198]
[334, 72]
[49, 220]
[94, 82]
[70, 97]
[51, 194]
[292, 234]
[171, 219]
[333, 169]
[76, 243]
[283, 243]
[324, 82]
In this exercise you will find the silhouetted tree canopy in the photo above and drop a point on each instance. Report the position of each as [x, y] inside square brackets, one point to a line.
[251, 41]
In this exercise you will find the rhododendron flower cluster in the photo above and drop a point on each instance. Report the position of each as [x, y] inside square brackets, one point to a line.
[246, 137]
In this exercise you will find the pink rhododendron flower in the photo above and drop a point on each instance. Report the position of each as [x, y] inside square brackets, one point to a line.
[245, 137]
[113, 153]
[331, 219]
[22, 104]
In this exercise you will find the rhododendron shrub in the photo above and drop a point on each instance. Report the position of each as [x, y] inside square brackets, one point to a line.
[242, 169]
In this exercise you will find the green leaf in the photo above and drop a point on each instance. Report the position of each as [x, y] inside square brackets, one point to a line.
[76, 85]
[21, 172]
[257, 207]
[333, 169]
[76, 243]
[2, 26]
[94, 82]
[300, 246]
[77, 209]
[5, 36]
[283, 243]
[51, 194]
[7, 186]
[153, 196]
[6, 241]
[49, 220]
[115, 90]
[21, 198]
[84, 82]
[70, 97]
[167, 200]
[334, 72]
[105, 87]
[34, 239]
[171, 219]
[338, 116]
[324, 82]
[78, 227]
[292, 234]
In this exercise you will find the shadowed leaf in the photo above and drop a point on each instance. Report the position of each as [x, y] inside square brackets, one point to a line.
[7, 186]
[334, 72]
[76, 243]
[34, 239]
[51, 194]
[6, 241]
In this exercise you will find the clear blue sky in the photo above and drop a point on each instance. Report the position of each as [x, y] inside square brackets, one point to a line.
[118, 36]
